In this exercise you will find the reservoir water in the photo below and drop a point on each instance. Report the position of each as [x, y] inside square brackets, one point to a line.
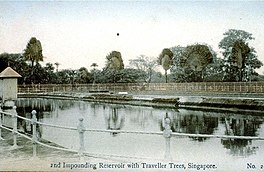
[228, 154]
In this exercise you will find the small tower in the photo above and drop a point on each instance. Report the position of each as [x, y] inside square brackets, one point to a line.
[8, 86]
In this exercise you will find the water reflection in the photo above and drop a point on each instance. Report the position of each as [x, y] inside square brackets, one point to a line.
[192, 123]
[114, 119]
[241, 127]
[118, 117]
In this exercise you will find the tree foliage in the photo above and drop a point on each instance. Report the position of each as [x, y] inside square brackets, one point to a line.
[146, 64]
[83, 76]
[165, 59]
[196, 57]
[187, 64]
[190, 63]
[66, 76]
[49, 73]
[17, 62]
[94, 65]
[114, 61]
[129, 75]
[249, 62]
[214, 71]
[94, 71]
[33, 51]
[177, 72]
[114, 64]
[240, 51]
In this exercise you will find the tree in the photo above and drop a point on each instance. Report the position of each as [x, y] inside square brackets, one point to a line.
[129, 75]
[33, 52]
[17, 62]
[41, 76]
[83, 76]
[176, 70]
[4, 61]
[94, 65]
[66, 76]
[214, 71]
[145, 64]
[157, 77]
[252, 63]
[165, 59]
[104, 76]
[194, 60]
[49, 73]
[259, 77]
[248, 63]
[57, 66]
[114, 63]
[240, 51]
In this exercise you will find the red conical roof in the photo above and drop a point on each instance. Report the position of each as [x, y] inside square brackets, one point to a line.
[9, 73]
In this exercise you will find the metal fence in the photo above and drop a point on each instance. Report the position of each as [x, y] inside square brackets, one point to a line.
[80, 129]
[226, 87]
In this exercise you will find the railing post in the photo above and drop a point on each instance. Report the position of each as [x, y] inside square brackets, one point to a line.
[34, 136]
[81, 130]
[14, 118]
[167, 135]
[1, 138]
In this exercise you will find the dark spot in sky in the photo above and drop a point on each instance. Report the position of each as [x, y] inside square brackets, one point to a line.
[117, 34]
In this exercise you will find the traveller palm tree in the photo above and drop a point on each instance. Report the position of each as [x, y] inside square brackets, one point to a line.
[240, 51]
[94, 65]
[114, 62]
[195, 58]
[33, 53]
[165, 59]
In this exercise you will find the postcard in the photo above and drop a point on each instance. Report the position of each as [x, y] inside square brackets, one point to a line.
[131, 86]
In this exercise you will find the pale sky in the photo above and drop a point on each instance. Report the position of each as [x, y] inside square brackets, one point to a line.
[77, 34]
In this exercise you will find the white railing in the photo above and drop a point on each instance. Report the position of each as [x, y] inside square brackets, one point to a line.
[167, 134]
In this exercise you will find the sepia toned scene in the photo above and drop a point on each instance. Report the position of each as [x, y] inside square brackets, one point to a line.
[131, 86]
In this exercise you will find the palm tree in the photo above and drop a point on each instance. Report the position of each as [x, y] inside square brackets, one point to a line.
[195, 58]
[114, 62]
[240, 51]
[165, 59]
[94, 65]
[33, 52]
[57, 66]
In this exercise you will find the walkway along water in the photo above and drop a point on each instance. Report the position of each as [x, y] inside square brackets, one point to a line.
[80, 130]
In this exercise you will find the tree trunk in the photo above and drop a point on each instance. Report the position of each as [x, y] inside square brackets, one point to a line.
[32, 78]
[94, 78]
[240, 75]
[166, 76]
[149, 75]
